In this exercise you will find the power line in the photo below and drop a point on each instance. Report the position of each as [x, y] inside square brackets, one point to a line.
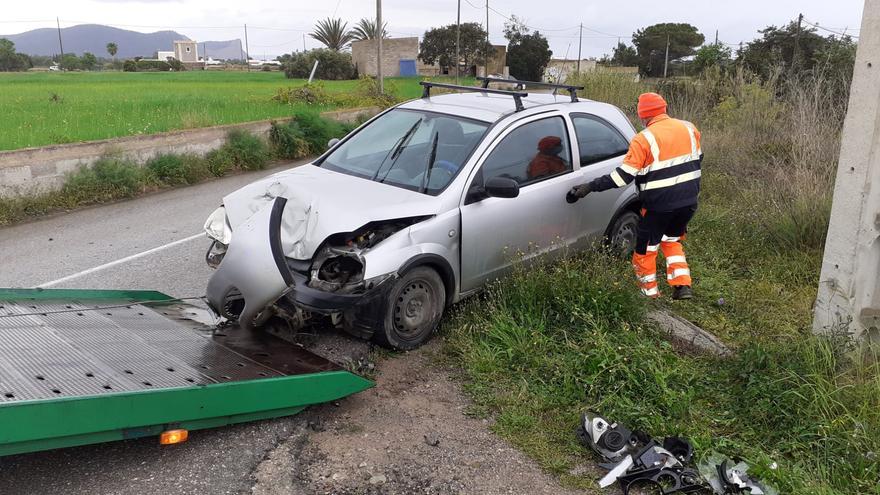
[816, 25]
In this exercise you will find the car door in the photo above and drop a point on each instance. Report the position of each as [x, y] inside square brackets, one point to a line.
[498, 231]
[601, 148]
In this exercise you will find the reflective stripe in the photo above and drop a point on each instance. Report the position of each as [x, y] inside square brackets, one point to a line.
[670, 239]
[671, 162]
[617, 179]
[678, 272]
[653, 249]
[651, 292]
[648, 278]
[678, 179]
[675, 259]
[652, 142]
[629, 169]
[690, 128]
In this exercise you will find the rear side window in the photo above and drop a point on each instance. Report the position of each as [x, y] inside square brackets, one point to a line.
[597, 139]
[531, 153]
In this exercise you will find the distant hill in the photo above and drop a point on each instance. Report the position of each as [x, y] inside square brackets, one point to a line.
[94, 38]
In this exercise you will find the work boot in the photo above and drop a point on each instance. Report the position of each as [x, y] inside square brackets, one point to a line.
[683, 292]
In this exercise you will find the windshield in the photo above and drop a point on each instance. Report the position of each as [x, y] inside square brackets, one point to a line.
[415, 150]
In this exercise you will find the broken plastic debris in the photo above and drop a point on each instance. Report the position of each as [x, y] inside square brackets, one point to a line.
[725, 477]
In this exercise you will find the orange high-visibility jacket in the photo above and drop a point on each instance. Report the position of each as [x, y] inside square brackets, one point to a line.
[664, 160]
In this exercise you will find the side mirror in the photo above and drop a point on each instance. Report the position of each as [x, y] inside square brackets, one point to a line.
[332, 143]
[501, 187]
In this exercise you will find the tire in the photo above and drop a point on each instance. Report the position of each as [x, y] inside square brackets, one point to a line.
[622, 235]
[413, 310]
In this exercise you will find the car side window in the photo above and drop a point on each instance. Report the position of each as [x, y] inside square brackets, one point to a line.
[597, 139]
[531, 153]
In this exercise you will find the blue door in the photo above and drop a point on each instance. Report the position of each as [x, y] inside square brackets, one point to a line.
[408, 68]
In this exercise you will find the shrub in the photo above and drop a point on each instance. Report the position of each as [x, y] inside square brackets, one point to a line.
[332, 65]
[288, 140]
[195, 168]
[247, 151]
[109, 178]
[129, 66]
[219, 161]
[317, 131]
[310, 94]
[169, 169]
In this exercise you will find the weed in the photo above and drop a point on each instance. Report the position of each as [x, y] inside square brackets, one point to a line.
[288, 140]
[109, 178]
[247, 151]
[169, 169]
[220, 162]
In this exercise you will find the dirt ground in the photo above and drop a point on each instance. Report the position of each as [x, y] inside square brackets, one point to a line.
[410, 434]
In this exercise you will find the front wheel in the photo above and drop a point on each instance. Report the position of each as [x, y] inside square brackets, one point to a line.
[622, 236]
[413, 310]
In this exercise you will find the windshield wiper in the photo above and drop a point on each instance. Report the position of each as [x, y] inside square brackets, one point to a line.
[426, 178]
[397, 150]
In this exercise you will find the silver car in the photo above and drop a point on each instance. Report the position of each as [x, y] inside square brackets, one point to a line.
[418, 208]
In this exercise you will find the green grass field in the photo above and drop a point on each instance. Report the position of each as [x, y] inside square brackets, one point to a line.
[51, 108]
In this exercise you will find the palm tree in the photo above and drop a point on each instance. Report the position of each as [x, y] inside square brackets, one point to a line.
[112, 49]
[366, 29]
[332, 33]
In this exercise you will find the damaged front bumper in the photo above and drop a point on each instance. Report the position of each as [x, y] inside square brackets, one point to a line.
[253, 274]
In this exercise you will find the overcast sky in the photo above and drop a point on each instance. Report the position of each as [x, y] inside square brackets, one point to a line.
[277, 26]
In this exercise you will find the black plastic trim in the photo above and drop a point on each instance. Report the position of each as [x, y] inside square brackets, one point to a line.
[275, 240]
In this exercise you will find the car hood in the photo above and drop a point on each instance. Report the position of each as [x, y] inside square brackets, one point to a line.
[321, 203]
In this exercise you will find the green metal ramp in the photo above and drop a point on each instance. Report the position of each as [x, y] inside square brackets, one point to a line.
[86, 366]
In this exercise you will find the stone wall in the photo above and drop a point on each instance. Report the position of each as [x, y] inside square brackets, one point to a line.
[363, 55]
[35, 170]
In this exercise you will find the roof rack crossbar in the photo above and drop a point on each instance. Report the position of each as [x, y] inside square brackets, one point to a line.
[572, 90]
[517, 95]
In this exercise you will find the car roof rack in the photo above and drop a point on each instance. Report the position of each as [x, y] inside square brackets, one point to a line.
[517, 95]
[572, 90]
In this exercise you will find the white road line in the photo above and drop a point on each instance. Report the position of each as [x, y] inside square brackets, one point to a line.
[122, 260]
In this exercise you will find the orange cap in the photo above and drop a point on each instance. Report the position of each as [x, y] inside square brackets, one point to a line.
[651, 105]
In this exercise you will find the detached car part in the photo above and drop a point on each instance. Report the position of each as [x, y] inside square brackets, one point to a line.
[729, 478]
[610, 440]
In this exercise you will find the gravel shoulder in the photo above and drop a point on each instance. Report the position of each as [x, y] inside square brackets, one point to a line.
[409, 434]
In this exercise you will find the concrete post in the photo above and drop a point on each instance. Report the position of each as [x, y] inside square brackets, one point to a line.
[849, 286]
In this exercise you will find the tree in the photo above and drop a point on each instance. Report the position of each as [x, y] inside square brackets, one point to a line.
[366, 29]
[70, 62]
[112, 49]
[333, 33]
[651, 42]
[714, 55]
[795, 51]
[438, 45]
[332, 65]
[622, 55]
[88, 61]
[10, 60]
[527, 53]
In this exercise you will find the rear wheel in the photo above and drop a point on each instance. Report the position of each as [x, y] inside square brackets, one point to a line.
[413, 310]
[622, 236]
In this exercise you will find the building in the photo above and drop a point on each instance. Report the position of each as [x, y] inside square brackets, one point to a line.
[164, 55]
[400, 57]
[187, 51]
[558, 69]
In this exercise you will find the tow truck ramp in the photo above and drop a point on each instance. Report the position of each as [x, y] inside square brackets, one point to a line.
[88, 366]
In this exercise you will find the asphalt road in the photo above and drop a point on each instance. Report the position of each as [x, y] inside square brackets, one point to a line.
[218, 461]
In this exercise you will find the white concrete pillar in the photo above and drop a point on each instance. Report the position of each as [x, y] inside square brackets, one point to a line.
[849, 286]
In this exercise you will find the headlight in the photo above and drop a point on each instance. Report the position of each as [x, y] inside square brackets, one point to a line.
[217, 226]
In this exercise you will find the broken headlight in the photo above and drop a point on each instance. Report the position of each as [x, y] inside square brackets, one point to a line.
[217, 226]
[337, 269]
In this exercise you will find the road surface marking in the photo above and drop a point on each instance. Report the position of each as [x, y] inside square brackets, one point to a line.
[122, 260]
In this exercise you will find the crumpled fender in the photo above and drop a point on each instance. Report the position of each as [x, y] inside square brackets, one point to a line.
[254, 264]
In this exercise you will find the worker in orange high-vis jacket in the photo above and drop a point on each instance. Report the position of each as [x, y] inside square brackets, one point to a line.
[664, 161]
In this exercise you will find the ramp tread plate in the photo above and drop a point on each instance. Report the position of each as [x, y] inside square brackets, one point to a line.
[85, 352]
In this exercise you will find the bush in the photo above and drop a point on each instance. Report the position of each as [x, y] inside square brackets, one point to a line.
[109, 178]
[247, 151]
[195, 168]
[288, 140]
[332, 65]
[310, 94]
[169, 169]
[129, 66]
[220, 162]
[153, 65]
[317, 131]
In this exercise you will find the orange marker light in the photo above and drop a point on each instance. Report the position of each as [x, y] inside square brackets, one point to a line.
[171, 437]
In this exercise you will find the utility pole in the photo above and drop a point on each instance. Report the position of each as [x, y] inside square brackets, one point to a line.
[666, 62]
[580, 42]
[379, 47]
[488, 43]
[247, 48]
[716, 36]
[304, 42]
[60, 44]
[796, 56]
[457, 41]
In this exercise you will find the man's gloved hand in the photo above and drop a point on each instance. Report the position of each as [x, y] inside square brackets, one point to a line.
[578, 192]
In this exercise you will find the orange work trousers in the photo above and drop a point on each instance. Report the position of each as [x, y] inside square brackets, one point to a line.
[662, 231]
